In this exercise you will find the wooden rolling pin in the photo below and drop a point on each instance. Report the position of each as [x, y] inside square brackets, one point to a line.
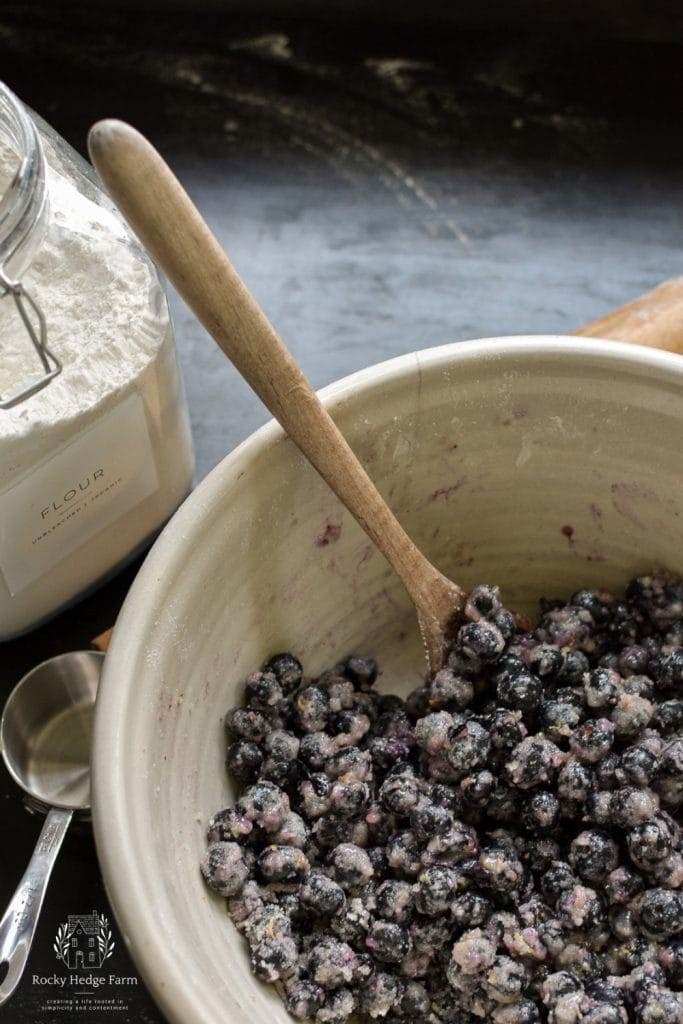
[654, 319]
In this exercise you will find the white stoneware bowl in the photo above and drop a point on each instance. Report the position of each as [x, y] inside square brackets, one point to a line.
[543, 464]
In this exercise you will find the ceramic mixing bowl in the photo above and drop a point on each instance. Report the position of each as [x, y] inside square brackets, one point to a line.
[543, 464]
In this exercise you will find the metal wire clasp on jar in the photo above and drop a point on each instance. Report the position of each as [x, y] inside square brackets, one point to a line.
[23, 216]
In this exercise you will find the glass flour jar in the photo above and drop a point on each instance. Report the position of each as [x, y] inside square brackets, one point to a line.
[95, 447]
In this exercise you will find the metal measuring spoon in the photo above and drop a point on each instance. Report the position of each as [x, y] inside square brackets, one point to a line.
[45, 734]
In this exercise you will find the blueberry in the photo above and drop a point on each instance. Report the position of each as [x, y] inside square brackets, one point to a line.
[541, 811]
[580, 907]
[651, 841]
[388, 942]
[348, 799]
[394, 901]
[400, 793]
[629, 806]
[641, 686]
[622, 625]
[574, 668]
[506, 728]
[224, 868]
[311, 709]
[332, 829]
[633, 660]
[351, 865]
[622, 923]
[559, 720]
[593, 854]
[559, 878]
[387, 751]
[282, 864]
[246, 724]
[668, 669]
[331, 963]
[591, 741]
[429, 819]
[243, 761]
[533, 762]
[590, 601]
[415, 1003]
[273, 958]
[539, 853]
[434, 889]
[500, 869]
[483, 601]
[601, 687]
[505, 622]
[503, 804]
[321, 895]
[522, 691]
[403, 854]
[263, 690]
[303, 998]
[575, 781]
[470, 910]
[557, 985]
[314, 749]
[661, 913]
[481, 641]
[671, 959]
[362, 671]
[349, 723]
[445, 796]
[476, 789]
[638, 765]
[546, 660]
[449, 690]
[668, 716]
[622, 885]
[608, 773]
[506, 979]
[378, 860]
[265, 804]
[229, 825]
[351, 762]
[468, 746]
[382, 992]
[605, 992]
[287, 670]
[417, 702]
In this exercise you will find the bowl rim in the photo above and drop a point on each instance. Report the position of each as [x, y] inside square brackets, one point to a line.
[176, 994]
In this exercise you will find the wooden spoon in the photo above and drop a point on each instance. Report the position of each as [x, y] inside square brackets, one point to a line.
[172, 229]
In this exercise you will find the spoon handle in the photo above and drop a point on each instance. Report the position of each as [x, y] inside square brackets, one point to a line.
[654, 319]
[21, 917]
[171, 228]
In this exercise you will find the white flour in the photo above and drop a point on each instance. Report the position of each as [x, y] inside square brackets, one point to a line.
[93, 464]
[97, 296]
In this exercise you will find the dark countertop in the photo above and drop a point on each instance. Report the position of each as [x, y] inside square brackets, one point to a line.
[381, 188]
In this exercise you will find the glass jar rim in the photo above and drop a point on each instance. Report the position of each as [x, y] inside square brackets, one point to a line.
[23, 204]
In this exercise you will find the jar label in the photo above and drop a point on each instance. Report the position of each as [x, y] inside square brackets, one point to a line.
[85, 487]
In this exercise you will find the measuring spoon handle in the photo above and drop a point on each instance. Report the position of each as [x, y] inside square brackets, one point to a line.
[19, 921]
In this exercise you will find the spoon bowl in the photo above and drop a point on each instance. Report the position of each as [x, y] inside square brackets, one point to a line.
[46, 727]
